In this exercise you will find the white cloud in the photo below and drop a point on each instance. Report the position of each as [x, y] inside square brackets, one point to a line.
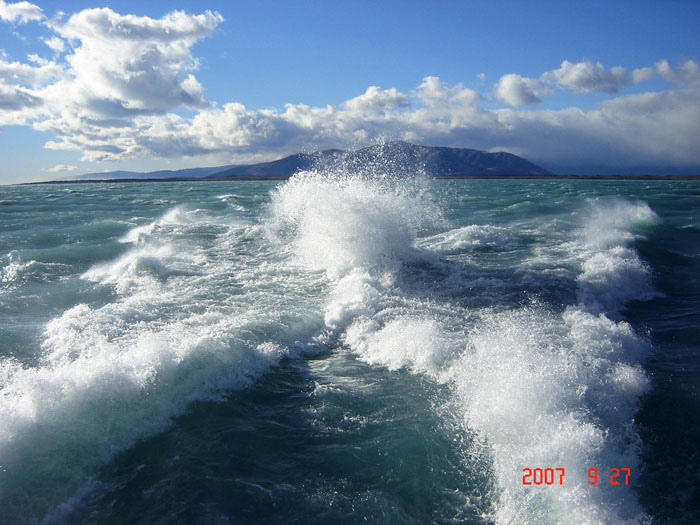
[122, 68]
[515, 90]
[62, 168]
[432, 92]
[587, 77]
[687, 74]
[55, 43]
[650, 129]
[36, 59]
[642, 74]
[21, 12]
[376, 100]
[116, 80]
[20, 84]
[128, 65]
[15, 98]
[19, 74]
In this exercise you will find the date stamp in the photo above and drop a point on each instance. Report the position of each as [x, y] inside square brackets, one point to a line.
[555, 476]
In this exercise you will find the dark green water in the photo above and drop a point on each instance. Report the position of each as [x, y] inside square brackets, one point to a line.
[344, 349]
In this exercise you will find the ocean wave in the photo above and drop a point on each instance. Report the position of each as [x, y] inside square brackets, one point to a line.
[339, 222]
[612, 273]
[541, 387]
[201, 304]
[114, 373]
[473, 237]
[15, 270]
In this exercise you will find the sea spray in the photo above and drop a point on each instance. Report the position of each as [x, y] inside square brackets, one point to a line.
[338, 222]
[422, 376]
[561, 390]
[612, 273]
[114, 372]
[542, 387]
[355, 228]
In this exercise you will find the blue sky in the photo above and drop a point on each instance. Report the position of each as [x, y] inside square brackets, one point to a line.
[576, 87]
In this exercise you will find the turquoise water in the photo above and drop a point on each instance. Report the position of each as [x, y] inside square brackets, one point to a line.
[340, 348]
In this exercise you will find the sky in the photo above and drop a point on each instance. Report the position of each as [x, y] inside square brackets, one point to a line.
[576, 87]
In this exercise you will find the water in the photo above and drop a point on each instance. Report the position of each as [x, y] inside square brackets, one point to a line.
[349, 347]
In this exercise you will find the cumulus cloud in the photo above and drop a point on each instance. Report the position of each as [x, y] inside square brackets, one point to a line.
[587, 77]
[14, 98]
[515, 90]
[20, 85]
[651, 129]
[20, 12]
[376, 100]
[130, 65]
[643, 73]
[121, 69]
[432, 92]
[20, 74]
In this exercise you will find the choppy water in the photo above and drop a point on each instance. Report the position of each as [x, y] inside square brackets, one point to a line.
[341, 348]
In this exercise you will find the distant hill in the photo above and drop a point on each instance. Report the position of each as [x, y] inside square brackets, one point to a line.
[161, 174]
[394, 157]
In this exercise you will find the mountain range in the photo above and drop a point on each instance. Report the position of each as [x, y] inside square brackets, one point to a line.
[392, 157]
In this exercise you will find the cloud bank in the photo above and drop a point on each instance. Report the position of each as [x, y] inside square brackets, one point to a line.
[590, 77]
[116, 82]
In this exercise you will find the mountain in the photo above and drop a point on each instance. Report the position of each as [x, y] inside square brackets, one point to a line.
[392, 157]
[161, 174]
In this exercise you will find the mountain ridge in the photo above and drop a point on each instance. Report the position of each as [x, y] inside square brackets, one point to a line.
[394, 157]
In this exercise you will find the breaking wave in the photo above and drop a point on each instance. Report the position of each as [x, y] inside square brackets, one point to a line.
[540, 386]
[197, 304]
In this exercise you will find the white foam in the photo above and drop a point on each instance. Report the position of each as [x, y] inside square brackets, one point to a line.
[354, 295]
[541, 389]
[16, 271]
[611, 279]
[357, 229]
[611, 222]
[340, 222]
[612, 274]
[546, 391]
[112, 374]
[109, 378]
[418, 343]
[169, 221]
[147, 267]
[467, 238]
[13, 271]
